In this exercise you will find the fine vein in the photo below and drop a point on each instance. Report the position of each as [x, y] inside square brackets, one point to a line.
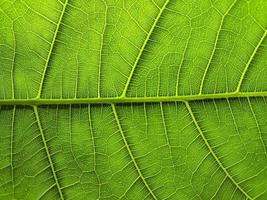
[213, 153]
[130, 152]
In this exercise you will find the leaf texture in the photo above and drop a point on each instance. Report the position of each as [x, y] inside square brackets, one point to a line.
[127, 99]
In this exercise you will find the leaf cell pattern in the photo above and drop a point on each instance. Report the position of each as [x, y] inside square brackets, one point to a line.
[127, 99]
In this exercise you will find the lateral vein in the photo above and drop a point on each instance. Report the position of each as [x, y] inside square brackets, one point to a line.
[249, 62]
[47, 151]
[51, 50]
[214, 47]
[213, 153]
[11, 150]
[130, 152]
[100, 54]
[257, 125]
[143, 48]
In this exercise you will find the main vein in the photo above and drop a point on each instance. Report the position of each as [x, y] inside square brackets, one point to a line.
[213, 153]
[143, 48]
[130, 152]
[51, 50]
[47, 151]
[117, 100]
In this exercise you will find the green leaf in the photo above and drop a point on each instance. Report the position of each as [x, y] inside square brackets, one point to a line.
[133, 99]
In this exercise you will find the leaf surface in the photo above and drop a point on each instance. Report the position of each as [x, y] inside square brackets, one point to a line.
[148, 99]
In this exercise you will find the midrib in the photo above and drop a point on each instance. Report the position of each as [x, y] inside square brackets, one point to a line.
[120, 100]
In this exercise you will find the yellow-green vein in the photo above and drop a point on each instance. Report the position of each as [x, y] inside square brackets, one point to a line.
[94, 145]
[143, 48]
[13, 63]
[214, 47]
[166, 132]
[249, 62]
[51, 50]
[257, 125]
[11, 150]
[182, 61]
[100, 54]
[130, 152]
[213, 153]
[47, 151]
[116, 100]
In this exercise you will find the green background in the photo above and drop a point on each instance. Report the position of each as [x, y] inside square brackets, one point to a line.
[133, 99]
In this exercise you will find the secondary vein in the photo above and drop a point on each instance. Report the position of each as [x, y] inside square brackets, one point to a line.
[51, 50]
[249, 61]
[130, 152]
[12, 149]
[101, 54]
[214, 47]
[213, 153]
[47, 151]
[143, 48]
